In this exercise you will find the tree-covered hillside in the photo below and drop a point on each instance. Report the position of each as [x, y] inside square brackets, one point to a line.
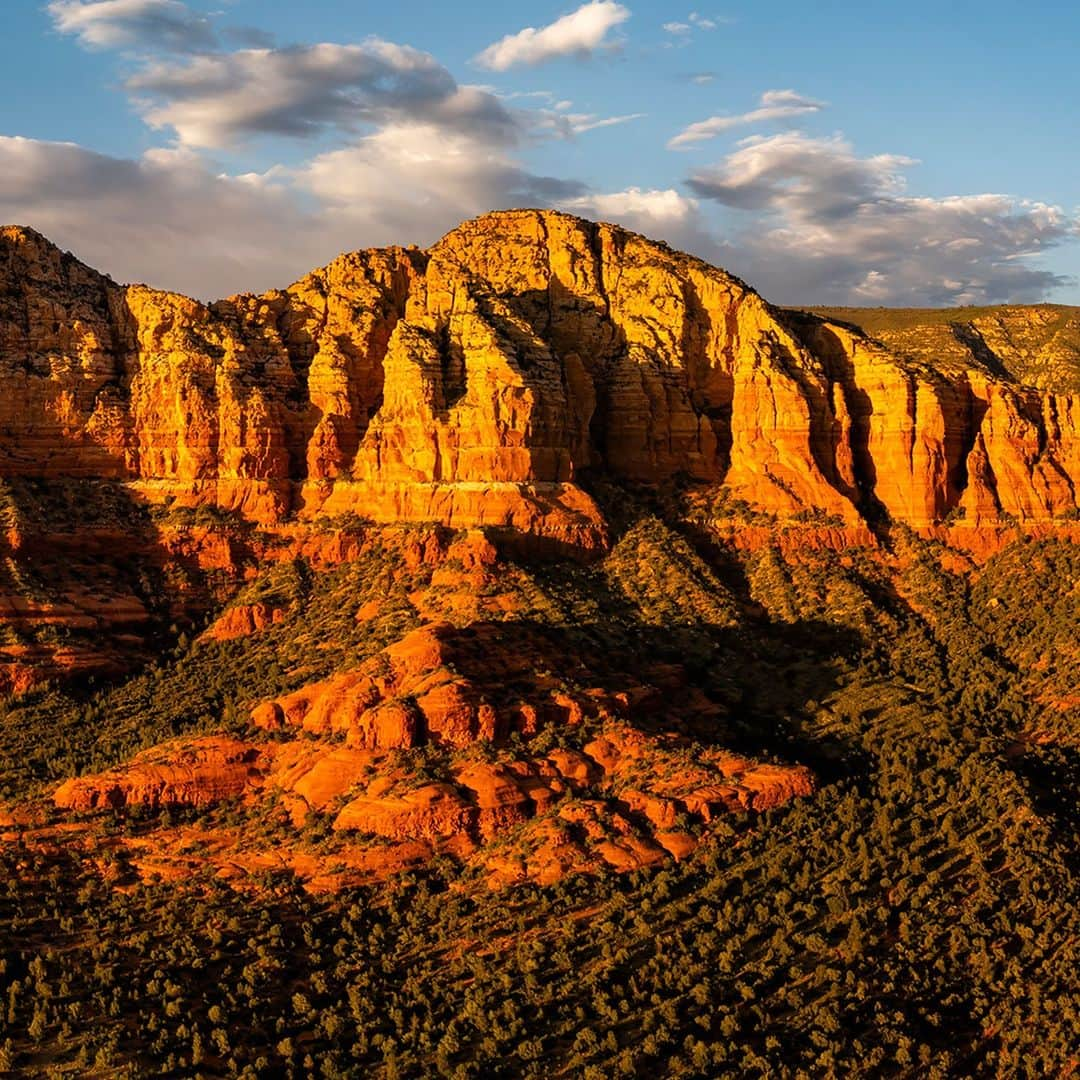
[917, 916]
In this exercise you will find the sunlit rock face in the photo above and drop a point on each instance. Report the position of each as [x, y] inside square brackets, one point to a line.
[476, 383]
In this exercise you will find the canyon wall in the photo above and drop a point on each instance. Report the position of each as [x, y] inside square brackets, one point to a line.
[474, 383]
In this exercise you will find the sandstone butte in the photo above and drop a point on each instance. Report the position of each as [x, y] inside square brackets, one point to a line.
[474, 384]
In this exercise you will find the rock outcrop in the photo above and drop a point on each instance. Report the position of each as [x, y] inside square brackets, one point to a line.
[929, 446]
[488, 388]
[243, 620]
[624, 801]
[197, 773]
[476, 742]
[443, 685]
[474, 384]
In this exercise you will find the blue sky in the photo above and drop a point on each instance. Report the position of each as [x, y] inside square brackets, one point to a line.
[849, 153]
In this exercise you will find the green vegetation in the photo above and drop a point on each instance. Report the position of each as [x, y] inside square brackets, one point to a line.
[919, 916]
[207, 685]
[876, 319]
[1037, 344]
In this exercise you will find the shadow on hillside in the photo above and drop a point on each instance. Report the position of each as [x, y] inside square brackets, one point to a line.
[93, 585]
[1051, 775]
[91, 594]
[748, 688]
[765, 675]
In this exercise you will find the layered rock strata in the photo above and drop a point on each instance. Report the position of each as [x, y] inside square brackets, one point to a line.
[472, 384]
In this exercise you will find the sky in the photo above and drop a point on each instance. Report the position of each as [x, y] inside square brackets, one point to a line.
[869, 153]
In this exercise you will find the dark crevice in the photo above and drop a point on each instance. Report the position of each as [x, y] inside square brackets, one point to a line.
[976, 410]
[973, 341]
[452, 366]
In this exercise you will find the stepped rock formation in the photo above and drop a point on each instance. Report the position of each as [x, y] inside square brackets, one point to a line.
[636, 790]
[474, 384]
[198, 774]
[436, 685]
[489, 742]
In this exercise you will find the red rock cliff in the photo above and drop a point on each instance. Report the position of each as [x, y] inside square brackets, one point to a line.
[472, 384]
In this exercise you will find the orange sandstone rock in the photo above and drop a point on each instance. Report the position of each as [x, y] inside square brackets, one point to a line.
[472, 384]
[436, 684]
[192, 773]
[242, 621]
[429, 811]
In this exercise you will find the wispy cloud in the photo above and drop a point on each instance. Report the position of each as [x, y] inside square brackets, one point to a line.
[774, 105]
[586, 122]
[580, 33]
[694, 21]
[681, 31]
[560, 122]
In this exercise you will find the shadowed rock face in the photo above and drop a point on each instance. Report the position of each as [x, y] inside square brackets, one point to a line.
[473, 383]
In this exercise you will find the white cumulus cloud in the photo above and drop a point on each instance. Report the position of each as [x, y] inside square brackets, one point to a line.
[410, 183]
[413, 152]
[659, 213]
[580, 33]
[829, 226]
[170, 219]
[219, 99]
[656, 204]
[165, 218]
